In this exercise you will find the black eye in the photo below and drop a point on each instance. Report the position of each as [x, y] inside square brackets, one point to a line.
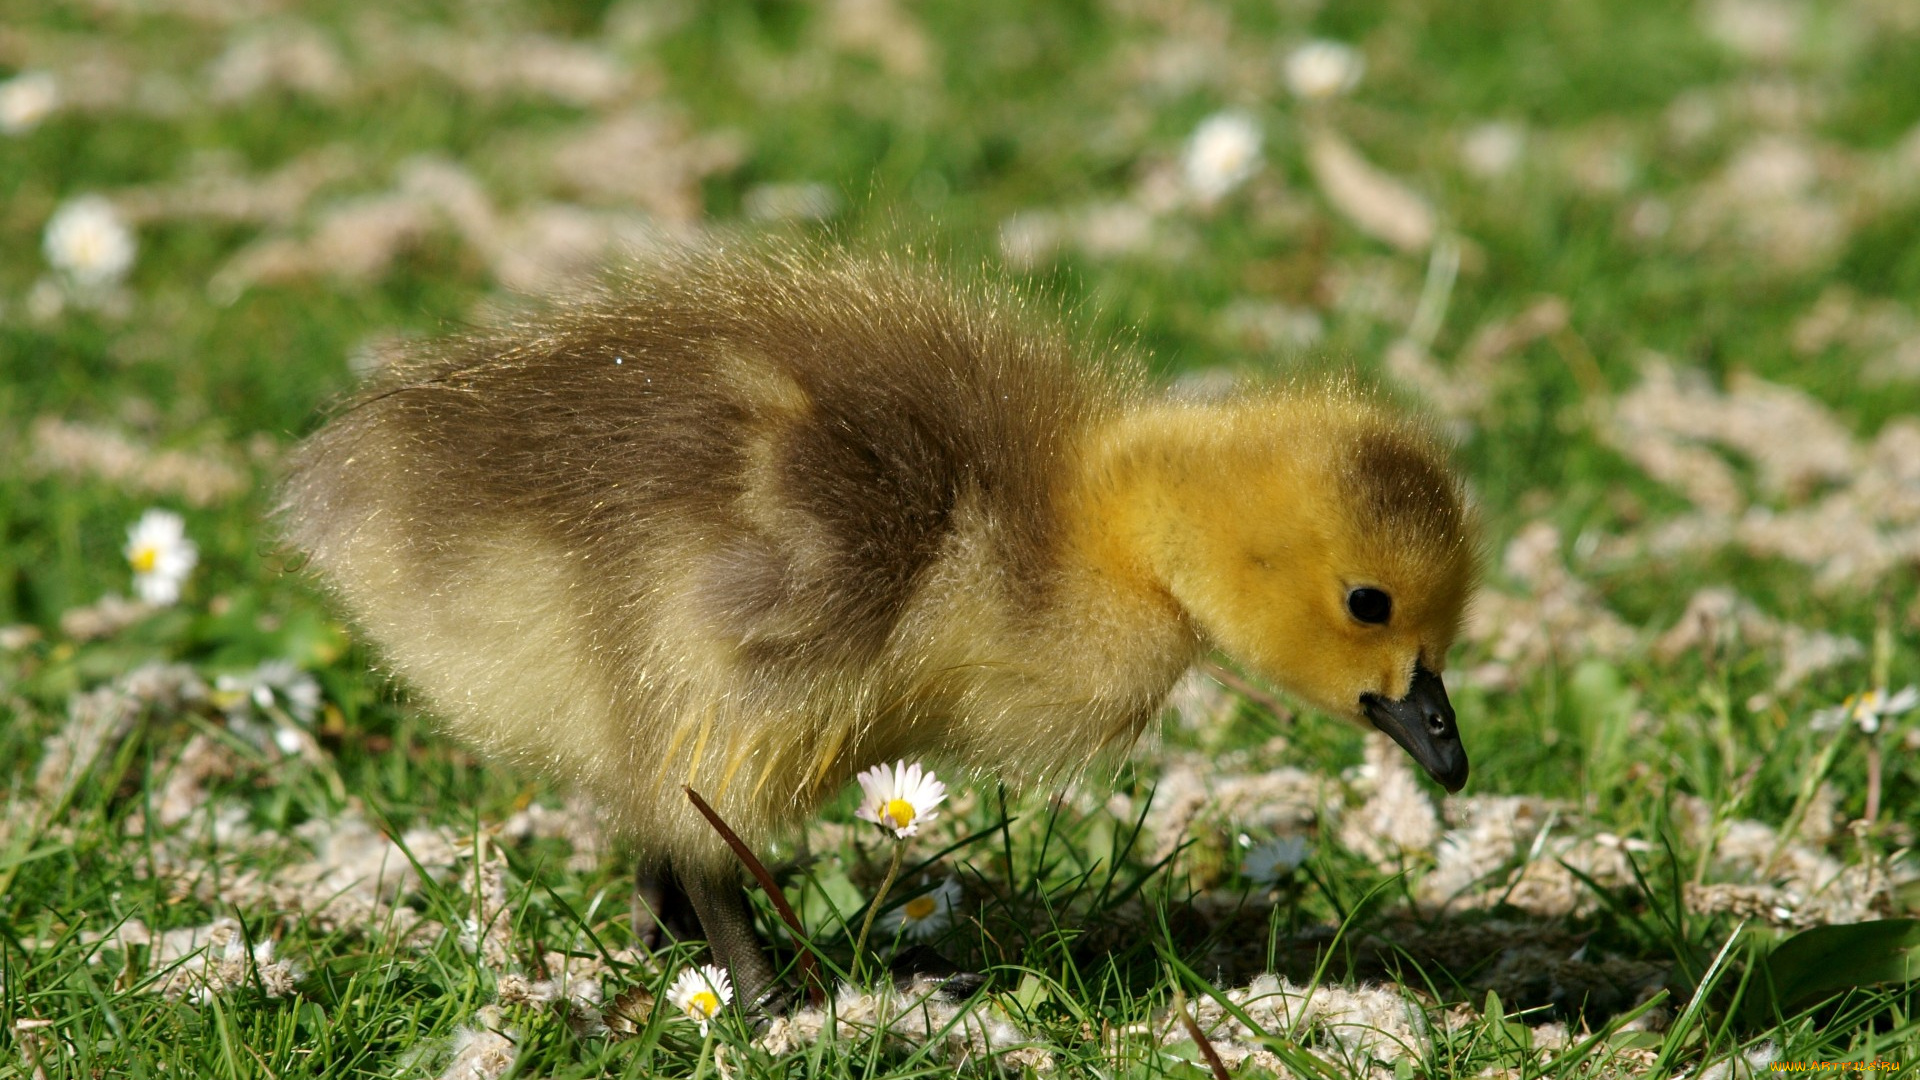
[1370, 605]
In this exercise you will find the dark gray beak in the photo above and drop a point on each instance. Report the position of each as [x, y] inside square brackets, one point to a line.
[1422, 723]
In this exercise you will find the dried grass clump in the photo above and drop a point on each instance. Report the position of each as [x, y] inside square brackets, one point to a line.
[290, 56]
[103, 618]
[355, 240]
[1718, 621]
[1557, 617]
[185, 790]
[1195, 788]
[1367, 1027]
[536, 248]
[198, 962]
[1531, 964]
[1523, 851]
[68, 448]
[1374, 201]
[915, 1016]
[1396, 822]
[1849, 512]
[498, 65]
[1795, 445]
[97, 721]
[216, 959]
[885, 31]
[575, 821]
[359, 874]
[215, 187]
[1783, 880]
[646, 159]
[483, 1050]
[1886, 332]
[1780, 197]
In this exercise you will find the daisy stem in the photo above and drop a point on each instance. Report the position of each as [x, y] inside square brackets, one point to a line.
[879, 898]
[1882, 672]
[706, 1048]
[1873, 779]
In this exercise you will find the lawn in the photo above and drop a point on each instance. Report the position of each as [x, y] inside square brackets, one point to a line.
[1654, 266]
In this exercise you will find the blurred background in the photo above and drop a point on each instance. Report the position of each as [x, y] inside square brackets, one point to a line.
[1655, 264]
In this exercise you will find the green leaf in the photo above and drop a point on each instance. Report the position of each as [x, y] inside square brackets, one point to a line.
[1816, 964]
[1030, 993]
[1635, 1040]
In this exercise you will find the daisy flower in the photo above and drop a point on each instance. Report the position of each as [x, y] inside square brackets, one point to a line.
[700, 993]
[1491, 150]
[901, 797]
[1867, 710]
[1223, 152]
[925, 916]
[1268, 862]
[1322, 69]
[274, 685]
[25, 100]
[161, 555]
[87, 240]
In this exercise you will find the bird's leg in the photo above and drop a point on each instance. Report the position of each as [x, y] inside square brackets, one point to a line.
[721, 904]
[661, 908]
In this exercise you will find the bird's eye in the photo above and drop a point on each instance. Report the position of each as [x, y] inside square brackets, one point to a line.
[1370, 605]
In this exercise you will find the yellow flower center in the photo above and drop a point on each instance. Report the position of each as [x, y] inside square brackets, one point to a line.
[901, 811]
[703, 1004]
[144, 559]
[920, 907]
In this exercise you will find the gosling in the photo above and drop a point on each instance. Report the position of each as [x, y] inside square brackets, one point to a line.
[754, 520]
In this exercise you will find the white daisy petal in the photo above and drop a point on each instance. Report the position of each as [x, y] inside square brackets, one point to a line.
[89, 242]
[926, 916]
[1223, 152]
[25, 100]
[700, 993]
[900, 797]
[161, 556]
[1867, 710]
[1323, 69]
[1268, 862]
[1829, 719]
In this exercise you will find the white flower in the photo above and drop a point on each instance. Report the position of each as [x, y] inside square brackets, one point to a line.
[161, 555]
[87, 240]
[1866, 709]
[25, 100]
[925, 916]
[700, 993]
[1223, 152]
[274, 683]
[900, 797]
[1322, 69]
[1491, 150]
[280, 690]
[1268, 862]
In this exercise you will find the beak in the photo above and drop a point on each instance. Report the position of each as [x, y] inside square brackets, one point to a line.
[1422, 723]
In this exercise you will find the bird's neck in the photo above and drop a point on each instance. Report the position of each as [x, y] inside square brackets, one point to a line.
[1132, 487]
[1137, 481]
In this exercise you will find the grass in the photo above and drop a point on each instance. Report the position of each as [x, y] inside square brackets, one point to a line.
[1684, 193]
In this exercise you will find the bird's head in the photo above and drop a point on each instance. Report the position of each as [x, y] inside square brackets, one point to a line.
[1323, 541]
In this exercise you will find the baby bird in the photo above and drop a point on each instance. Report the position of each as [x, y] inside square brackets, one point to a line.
[752, 521]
